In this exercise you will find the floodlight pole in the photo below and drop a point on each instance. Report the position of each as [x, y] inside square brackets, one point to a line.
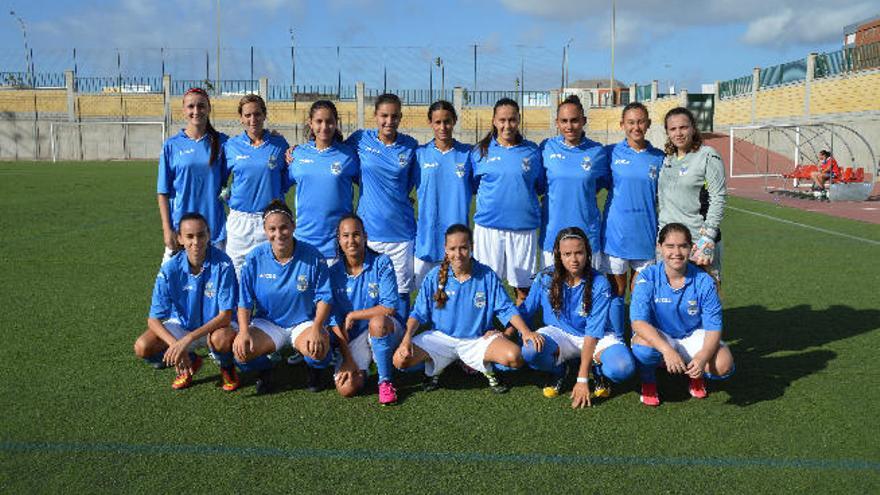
[28, 63]
[613, 22]
[218, 48]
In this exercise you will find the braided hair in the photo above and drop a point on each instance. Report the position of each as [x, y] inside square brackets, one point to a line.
[557, 279]
[440, 296]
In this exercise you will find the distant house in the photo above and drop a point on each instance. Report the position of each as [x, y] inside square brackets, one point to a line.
[596, 93]
[862, 33]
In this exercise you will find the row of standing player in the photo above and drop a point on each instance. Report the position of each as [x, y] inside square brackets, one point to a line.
[507, 173]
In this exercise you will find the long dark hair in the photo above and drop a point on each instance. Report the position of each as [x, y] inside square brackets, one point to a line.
[212, 133]
[557, 280]
[442, 105]
[360, 221]
[318, 105]
[484, 143]
[670, 148]
[387, 98]
[440, 296]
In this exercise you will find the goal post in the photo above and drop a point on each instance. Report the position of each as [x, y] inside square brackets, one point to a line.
[106, 140]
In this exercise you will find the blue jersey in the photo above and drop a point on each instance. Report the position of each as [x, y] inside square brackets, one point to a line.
[324, 192]
[629, 226]
[284, 294]
[571, 318]
[471, 306]
[444, 188]
[676, 312]
[259, 173]
[388, 175]
[375, 285]
[194, 299]
[191, 183]
[573, 177]
[509, 179]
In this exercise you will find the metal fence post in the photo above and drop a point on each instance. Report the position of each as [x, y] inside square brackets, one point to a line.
[264, 87]
[554, 101]
[359, 96]
[166, 96]
[458, 104]
[756, 83]
[70, 86]
[808, 81]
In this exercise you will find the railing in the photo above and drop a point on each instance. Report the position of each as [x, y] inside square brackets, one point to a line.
[643, 92]
[100, 85]
[735, 87]
[35, 80]
[788, 72]
[845, 60]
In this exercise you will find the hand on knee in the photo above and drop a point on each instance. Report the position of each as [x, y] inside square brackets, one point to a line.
[377, 326]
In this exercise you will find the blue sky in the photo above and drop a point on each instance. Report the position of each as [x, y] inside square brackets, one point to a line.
[687, 42]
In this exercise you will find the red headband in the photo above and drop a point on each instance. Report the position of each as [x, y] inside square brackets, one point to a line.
[199, 91]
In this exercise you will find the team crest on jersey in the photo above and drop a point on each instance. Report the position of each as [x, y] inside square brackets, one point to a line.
[652, 172]
[272, 162]
[526, 164]
[692, 308]
[682, 171]
[479, 299]
[373, 290]
[402, 159]
[582, 311]
[302, 283]
[586, 164]
[459, 170]
[336, 168]
[210, 290]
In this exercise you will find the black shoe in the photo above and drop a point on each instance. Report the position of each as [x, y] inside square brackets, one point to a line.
[496, 383]
[315, 379]
[431, 383]
[264, 382]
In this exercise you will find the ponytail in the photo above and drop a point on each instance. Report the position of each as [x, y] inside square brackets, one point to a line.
[440, 296]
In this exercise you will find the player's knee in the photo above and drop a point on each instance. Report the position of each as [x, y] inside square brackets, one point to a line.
[222, 339]
[141, 348]
[377, 326]
[512, 358]
[617, 363]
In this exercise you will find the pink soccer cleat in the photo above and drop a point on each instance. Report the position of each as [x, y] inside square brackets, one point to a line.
[697, 388]
[387, 393]
[649, 395]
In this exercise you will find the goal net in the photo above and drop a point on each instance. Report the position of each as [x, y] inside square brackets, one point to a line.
[106, 140]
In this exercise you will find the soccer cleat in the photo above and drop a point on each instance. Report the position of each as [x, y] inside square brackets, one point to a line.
[649, 395]
[431, 383]
[467, 369]
[315, 381]
[229, 379]
[601, 388]
[697, 388]
[184, 379]
[264, 384]
[496, 383]
[295, 358]
[555, 383]
[387, 393]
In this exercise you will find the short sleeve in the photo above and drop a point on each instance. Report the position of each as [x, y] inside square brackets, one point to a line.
[246, 295]
[502, 306]
[388, 294]
[600, 305]
[323, 293]
[710, 305]
[227, 296]
[165, 180]
[640, 307]
[425, 299]
[160, 307]
[530, 305]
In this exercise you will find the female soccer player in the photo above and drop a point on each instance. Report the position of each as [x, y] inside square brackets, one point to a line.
[574, 299]
[676, 319]
[364, 315]
[510, 177]
[285, 288]
[193, 299]
[255, 158]
[575, 167]
[828, 170]
[459, 299]
[388, 173]
[689, 168]
[191, 174]
[324, 170]
[629, 225]
[444, 188]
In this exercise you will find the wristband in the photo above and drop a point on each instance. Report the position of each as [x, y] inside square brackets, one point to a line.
[581, 379]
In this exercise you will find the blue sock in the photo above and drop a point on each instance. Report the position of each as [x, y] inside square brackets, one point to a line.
[544, 360]
[501, 367]
[319, 364]
[383, 351]
[617, 316]
[155, 358]
[647, 359]
[257, 364]
[224, 359]
[403, 306]
[710, 376]
[617, 363]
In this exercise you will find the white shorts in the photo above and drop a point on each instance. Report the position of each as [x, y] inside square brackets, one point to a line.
[282, 337]
[401, 254]
[570, 346]
[421, 269]
[167, 254]
[362, 352]
[243, 232]
[619, 266]
[443, 350]
[510, 253]
[688, 346]
[176, 329]
[595, 259]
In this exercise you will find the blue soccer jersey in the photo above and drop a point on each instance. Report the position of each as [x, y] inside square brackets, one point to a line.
[375, 285]
[629, 225]
[324, 192]
[259, 173]
[571, 318]
[509, 181]
[676, 312]
[573, 175]
[194, 299]
[284, 294]
[471, 306]
[444, 188]
[191, 183]
[388, 174]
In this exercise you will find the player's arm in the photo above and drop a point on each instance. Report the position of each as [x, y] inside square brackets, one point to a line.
[177, 352]
[580, 394]
[168, 235]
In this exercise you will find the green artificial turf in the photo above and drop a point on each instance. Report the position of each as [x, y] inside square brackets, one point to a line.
[80, 246]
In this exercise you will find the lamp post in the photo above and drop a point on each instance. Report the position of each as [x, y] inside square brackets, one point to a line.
[28, 63]
[439, 63]
[219, 90]
[613, 22]
[565, 62]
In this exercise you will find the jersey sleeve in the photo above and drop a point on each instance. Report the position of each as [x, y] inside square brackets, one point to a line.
[600, 305]
[165, 180]
[246, 295]
[602, 167]
[425, 299]
[541, 180]
[160, 306]
[502, 306]
[387, 282]
[717, 188]
[227, 295]
[710, 305]
[283, 167]
[322, 284]
[641, 306]
[530, 305]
